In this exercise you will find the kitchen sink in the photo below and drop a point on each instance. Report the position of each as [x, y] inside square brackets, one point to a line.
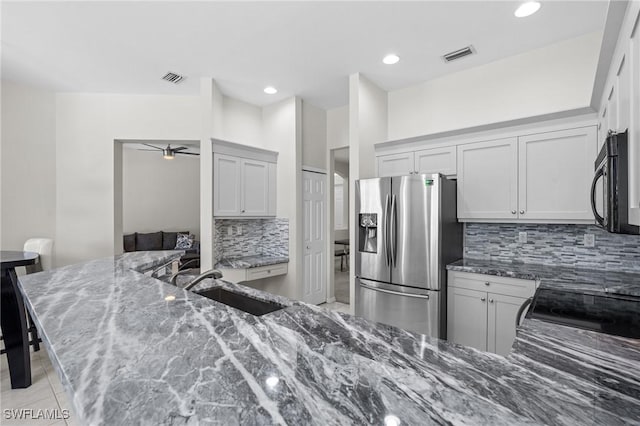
[240, 301]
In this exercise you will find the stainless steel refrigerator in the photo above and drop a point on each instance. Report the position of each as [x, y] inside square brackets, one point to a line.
[407, 232]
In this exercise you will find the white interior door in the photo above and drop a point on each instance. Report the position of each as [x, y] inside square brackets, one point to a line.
[315, 223]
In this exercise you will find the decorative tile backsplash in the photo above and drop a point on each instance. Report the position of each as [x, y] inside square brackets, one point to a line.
[250, 237]
[559, 245]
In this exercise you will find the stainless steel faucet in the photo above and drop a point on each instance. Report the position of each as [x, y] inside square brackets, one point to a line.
[212, 273]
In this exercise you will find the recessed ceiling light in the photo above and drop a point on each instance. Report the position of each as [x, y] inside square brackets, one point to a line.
[270, 90]
[170, 298]
[526, 9]
[391, 59]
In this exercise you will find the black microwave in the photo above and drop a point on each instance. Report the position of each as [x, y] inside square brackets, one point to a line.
[612, 169]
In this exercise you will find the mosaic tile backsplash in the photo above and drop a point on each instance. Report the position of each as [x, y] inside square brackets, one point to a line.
[558, 245]
[258, 236]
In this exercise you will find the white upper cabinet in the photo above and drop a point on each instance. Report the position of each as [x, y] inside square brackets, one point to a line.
[226, 185]
[554, 174]
[436, 160]
[620, 103]
[395, 164]
[543, 177]
[633, 70]
[244, 183]
[488, 179]
[427, 161]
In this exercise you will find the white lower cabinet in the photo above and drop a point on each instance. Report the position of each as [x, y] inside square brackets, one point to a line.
[467, 317]
[482, 309]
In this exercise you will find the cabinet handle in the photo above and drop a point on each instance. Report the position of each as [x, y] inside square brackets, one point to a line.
[490, 300]
[486, 283]
[513, 212]
[483, 299]
[521, 211]
[241, 211]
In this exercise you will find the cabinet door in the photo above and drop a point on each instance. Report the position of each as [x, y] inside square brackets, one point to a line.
[254, 189]
[272, 189]
[226, 185]
[634, 130]
[502, 311]
[467, 317]
[555, 173]
[437, 160]
[395, 164]
[488, 179]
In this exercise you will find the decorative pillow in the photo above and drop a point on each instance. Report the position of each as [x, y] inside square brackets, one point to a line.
[184, 241]
[152, 241]
[169, 239]
[130, 242]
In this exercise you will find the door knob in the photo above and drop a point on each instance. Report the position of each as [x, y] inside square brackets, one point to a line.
[490, 300]
[513, 212]
[486, 283]
[307, 247]
[521, 211]
[241, 211]
[483, 299]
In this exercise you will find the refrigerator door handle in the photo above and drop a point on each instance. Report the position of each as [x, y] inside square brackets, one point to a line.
[393, 234]
[385, 232]
[397, 293]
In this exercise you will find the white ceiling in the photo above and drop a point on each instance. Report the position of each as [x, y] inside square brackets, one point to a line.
[302, 48]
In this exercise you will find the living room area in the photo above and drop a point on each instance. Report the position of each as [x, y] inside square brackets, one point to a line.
[161, 197]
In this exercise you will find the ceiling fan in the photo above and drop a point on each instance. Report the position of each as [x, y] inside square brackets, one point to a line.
[168, 153]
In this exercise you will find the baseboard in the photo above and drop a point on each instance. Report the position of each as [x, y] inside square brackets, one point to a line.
[331, 300]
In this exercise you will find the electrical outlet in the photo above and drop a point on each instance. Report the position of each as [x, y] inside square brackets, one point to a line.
[522, 237]
[238, 229]
[230, 230]
[589, 240]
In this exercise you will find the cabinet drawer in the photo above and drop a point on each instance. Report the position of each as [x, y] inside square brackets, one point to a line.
[499, 285]
[267, 271]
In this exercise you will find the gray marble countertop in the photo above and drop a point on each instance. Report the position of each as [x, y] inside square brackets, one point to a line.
[253, 261]
[575, 279]
[130, 349]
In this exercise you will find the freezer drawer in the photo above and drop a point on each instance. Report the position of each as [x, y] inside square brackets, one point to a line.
[388, 304]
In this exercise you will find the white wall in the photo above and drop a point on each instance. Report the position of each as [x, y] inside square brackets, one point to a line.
[282, 133]
[372, 125]
[314, 136]
[28, 164]
[159, 194]
[242, 122]
[338, 127]
[86, 127]
[551, 79]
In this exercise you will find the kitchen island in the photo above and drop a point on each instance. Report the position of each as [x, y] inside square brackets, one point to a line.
[131, 349]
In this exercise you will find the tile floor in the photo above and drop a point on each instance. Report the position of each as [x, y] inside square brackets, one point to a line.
[337, 306]
[45, 393]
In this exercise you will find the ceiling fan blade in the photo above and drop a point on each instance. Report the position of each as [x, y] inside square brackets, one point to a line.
[180, 148]
[154, 147]
[186, 153]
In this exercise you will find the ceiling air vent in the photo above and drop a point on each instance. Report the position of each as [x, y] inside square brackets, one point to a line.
[460, 53]
[173, 78]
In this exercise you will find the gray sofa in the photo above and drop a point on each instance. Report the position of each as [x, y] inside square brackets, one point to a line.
[162, 241]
